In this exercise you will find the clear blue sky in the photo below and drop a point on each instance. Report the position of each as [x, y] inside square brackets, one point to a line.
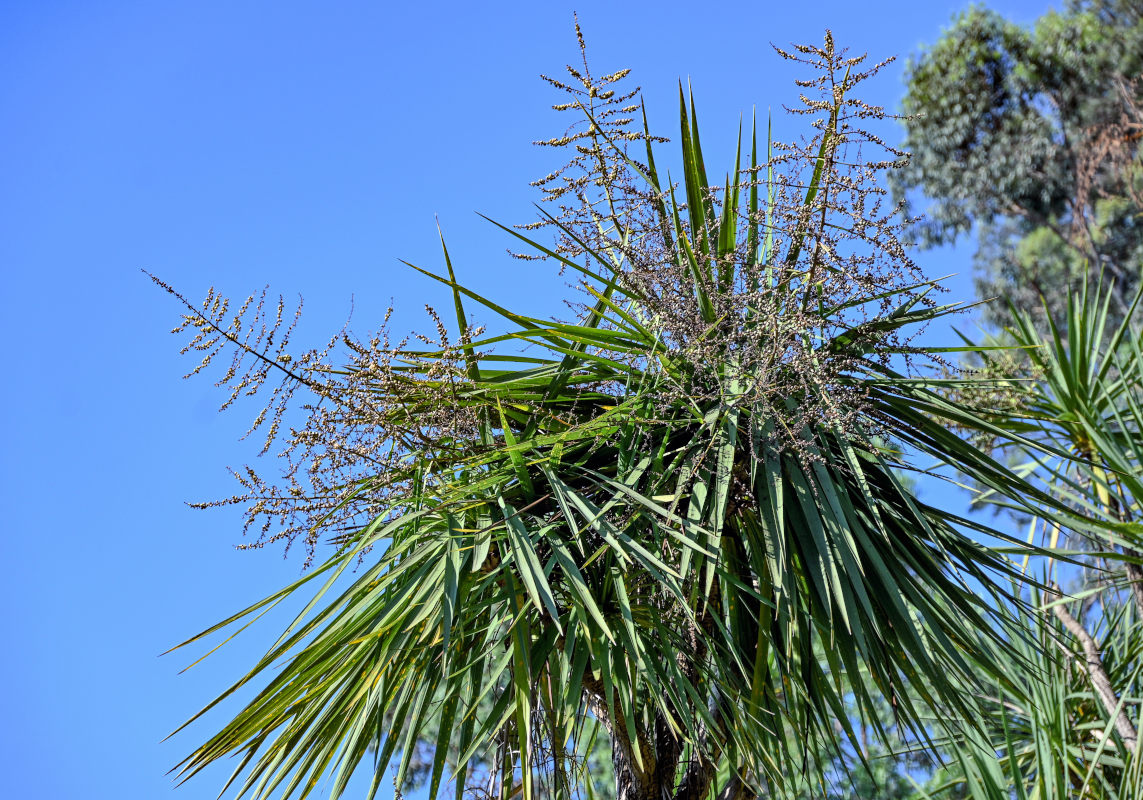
[307, 146]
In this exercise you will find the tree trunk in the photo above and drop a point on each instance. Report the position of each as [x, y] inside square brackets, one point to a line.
[1097, 674]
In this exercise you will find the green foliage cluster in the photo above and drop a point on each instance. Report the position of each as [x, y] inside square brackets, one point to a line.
[1066, 723]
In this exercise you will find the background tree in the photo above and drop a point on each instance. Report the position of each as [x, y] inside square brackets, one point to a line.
[1031, 137]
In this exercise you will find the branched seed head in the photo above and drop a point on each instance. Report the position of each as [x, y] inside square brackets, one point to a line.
[361, 428]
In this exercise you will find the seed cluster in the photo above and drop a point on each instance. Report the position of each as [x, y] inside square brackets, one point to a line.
[825, 262]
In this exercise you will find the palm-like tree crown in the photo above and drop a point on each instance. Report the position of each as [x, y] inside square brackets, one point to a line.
[673, 527]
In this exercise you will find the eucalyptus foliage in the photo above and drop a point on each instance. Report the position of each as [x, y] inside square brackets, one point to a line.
[1028, 138]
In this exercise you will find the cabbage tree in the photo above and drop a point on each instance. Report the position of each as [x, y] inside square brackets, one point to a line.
[675, 529]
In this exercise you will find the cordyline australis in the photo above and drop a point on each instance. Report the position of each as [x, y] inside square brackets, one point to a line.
[669, 531]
